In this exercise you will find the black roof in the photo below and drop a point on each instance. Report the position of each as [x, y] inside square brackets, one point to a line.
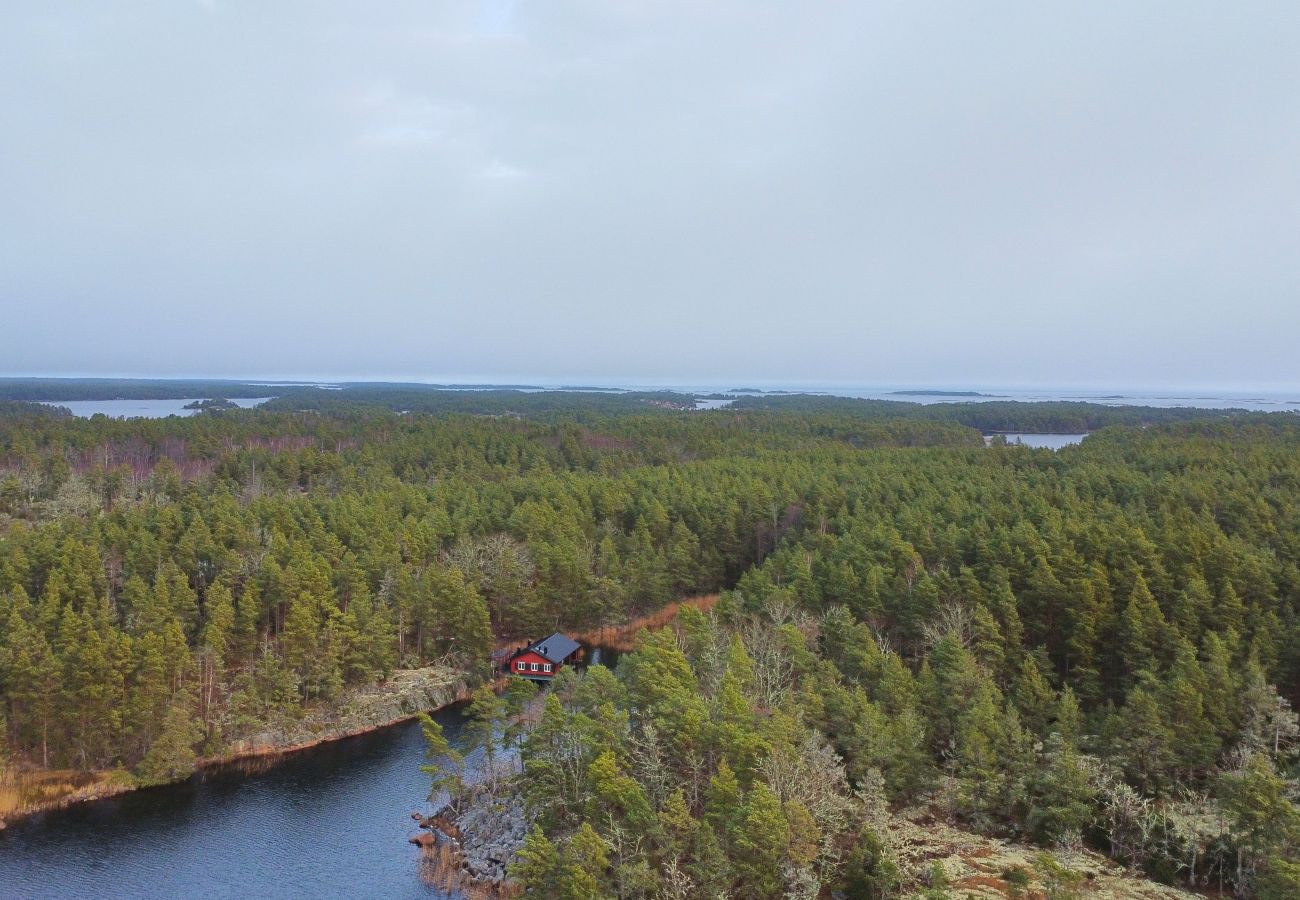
[556, 648]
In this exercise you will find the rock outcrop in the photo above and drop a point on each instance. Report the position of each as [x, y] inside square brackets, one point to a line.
[404, 695]
[484, 830]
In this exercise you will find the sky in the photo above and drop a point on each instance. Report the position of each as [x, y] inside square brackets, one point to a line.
[684, 191]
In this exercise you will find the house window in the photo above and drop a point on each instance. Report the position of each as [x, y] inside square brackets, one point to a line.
[533, 666]
[546, 667]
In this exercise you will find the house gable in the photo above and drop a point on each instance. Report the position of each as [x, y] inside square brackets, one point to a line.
[532, 665]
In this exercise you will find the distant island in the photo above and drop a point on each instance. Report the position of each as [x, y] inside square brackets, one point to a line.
[212, 405]
[940, 394]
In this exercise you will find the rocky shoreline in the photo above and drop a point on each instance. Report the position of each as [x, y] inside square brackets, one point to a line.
[406, 694]
[480, 835]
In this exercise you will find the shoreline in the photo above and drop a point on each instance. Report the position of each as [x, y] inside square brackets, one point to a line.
[404, 687]
[468, 844]
[405, 695]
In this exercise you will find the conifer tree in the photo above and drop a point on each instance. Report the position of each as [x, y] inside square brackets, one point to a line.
[537, 867]
[583, 864]
[1142, 629]
[761, 844]
[724, 804]
[445, 766]
[171, 757]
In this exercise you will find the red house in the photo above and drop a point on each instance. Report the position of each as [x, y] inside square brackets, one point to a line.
[540, 660]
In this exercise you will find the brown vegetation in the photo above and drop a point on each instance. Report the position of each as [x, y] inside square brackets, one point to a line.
[623, 637]
[29, 791]
[441, 864]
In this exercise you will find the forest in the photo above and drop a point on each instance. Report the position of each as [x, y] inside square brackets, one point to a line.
[1099, 645]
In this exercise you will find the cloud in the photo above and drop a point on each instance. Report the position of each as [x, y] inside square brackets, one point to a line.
[871, 192]
[497, 170]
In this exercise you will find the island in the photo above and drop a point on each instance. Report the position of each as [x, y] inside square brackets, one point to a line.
[213, 405]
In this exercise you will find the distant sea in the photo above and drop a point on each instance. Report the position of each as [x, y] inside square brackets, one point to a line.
[1262, 402]
[721, 395]
[1197, 399]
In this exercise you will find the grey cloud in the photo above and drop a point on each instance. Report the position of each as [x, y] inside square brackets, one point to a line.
[865, 192]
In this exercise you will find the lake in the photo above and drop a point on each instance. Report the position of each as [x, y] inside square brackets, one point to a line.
[1048, 441]
[142, 409]
[332, 821]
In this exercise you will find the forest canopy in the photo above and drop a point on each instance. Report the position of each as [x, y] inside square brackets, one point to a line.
[1027, 640]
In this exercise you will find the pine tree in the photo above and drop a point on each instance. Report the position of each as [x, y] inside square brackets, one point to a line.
[870, 872]
[761, 844]
[1066, 718]
[723, 804]
[1033, 696]
[538, 864]
[583, 864]
[88, 682]
[1265, 823]
[486, 713]
[616, 794]
[977, 742]
[172, 757]
[517, 697]
[445, 766]
[244, 632]
[1142, 741]
[301, 631]
[1060, 795]
[1184, 689]
[33, 682]
[677, 828]
[150, 695]
[1142, 630]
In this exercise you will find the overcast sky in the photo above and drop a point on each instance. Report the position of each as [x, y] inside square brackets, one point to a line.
[896, 193]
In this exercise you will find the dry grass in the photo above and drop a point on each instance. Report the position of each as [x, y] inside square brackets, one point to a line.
[28, 791]
[982, 885]
[440, 868]
[623, 637]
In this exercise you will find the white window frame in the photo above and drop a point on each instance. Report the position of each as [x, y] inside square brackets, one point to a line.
[546, 667]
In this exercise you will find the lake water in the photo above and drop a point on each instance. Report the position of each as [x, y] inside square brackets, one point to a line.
[1048, 441]
[142, 409]
[332, 821]
[712, 403]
